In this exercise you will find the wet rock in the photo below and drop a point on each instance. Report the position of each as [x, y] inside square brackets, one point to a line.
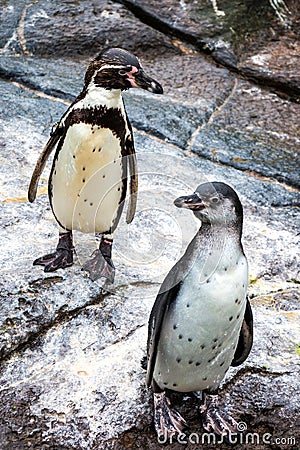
[72, 355]
[107, 397]
[258, 40]
[70, 372]
[10, 15]
[90, 384]
[66, 81]
[60, 78]
[91, 26]
[249, 133]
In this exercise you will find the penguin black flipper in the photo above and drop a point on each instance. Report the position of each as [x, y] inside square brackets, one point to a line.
[41, 162]
[133, 177]
[246, 338]
[159, 310]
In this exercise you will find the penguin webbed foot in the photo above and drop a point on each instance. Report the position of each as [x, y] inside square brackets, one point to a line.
[100, 266]
[213, 421]
[168, 423]
[57, 260]
[61, 258]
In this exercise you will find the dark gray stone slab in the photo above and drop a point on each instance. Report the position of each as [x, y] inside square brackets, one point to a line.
[61, 78]
[239, 35]
[10, 16]
[77, 29]
[254, 131]
[165, 117]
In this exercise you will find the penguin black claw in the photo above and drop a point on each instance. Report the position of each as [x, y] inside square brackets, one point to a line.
[168, 423]
[214, 421]
[99, 267]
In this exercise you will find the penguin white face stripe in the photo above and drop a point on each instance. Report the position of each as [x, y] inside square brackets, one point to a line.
[108, 66]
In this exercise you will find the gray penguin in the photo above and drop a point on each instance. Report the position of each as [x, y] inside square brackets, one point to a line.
[201, 322]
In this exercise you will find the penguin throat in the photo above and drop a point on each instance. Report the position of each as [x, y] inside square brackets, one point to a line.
[96, 96]
[220, 223]
[221, 230]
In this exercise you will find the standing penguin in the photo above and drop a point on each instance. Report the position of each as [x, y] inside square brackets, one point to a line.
[94, 161]
[201, 322]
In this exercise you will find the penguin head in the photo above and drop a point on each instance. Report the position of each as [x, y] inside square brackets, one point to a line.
[214, 203]
[116, 68]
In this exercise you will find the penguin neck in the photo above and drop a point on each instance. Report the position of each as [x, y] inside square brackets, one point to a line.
[214, 248]
[216, 242]
[219, 233]
[96, 96]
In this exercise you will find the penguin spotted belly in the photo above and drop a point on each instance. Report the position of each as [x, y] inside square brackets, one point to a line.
[87, 179]
[201, 330]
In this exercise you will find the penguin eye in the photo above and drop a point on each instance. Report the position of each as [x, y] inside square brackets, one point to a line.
[215, 199]
[124, 71]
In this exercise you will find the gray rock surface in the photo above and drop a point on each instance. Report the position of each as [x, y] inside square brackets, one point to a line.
[258, 40]
[70, 349]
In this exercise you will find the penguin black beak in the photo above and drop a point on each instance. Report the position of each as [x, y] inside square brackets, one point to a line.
[140, 80]
[192, 202]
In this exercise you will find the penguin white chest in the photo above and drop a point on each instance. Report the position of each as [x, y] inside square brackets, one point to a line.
[201, 330]
[88, 179]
